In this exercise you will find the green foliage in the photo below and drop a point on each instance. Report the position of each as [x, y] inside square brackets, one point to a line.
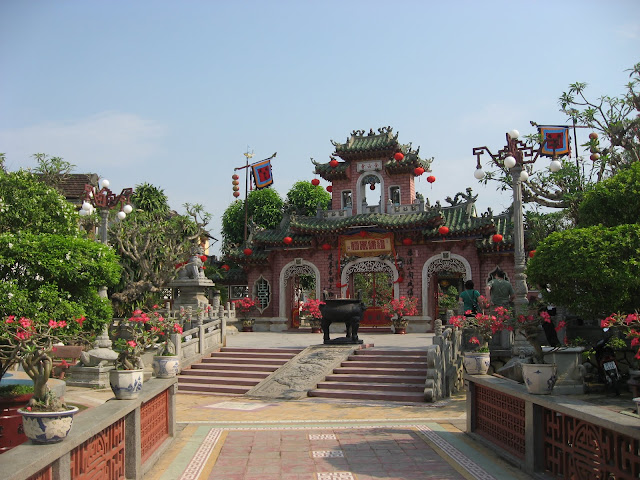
[52, 170]
[305, 198]
[233, 225]
[593, 271]
[265, 207]
[615, 201]
[28, 205]
[540, 225]
[49, 276]
[383, 290]
[150, 199]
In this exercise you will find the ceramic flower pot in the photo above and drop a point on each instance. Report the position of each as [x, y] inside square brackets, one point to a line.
[477, 363]
[539, 378]
[12, 433]
[247, 325]
[126, 384]
[47, 427]
[400, 326]
[166, 366]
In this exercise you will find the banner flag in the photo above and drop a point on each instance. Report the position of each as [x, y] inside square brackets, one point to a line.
[555, 141]
[262, 174]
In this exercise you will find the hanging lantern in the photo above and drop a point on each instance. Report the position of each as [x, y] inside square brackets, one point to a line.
[497, 238]
[431, 179]
[236, 188]
[399, 280]
[418, 171]
[287, 240]
[407, 241]
[247, 251]
[315, 182]
[333, 163]
[329, 189]
[326, 246]
[398, 157]
[234, 177]
[225, 267]
[594, 156]
[592, 136]
[372, 186]
[236, 194]
[532, 253]
[362, 233]
[443, 230]
[235, 182]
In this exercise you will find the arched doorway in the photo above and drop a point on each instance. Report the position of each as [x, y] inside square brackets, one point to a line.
[299, 281]
[375, 279]
[445, 269]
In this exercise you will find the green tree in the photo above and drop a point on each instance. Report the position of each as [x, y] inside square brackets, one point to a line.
[150, 242]
[47, 268]
[304, 199]
[233, 226]
[52, 170]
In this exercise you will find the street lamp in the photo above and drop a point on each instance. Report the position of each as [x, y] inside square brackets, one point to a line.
[514, 156]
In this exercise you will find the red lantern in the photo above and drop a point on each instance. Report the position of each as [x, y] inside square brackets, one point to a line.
[236, 188]
[287, 240]
[418, 171]
[443, 230]
[247, 251]
[235, 177]
[593, 135]
[372, 186]
[362, 233]
[532, 253]
[326, 246]
[407, 241]
[225, 267]
[329, 189]
[431, 179]
[203, 258]
[398, 156]
[333, 163]
[497, 238]
[236, 194]
[399, 280]
[315, 182]
[235, 182]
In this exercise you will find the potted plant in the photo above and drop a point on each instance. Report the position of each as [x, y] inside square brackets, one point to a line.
[478, 330]
[400, 308]
[311, 308]
[132, 337]
[166, 363]
[12, 398]
[45, 418]
[447, 300]
[245, 306]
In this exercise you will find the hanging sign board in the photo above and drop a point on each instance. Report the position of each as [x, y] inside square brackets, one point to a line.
[370, 245]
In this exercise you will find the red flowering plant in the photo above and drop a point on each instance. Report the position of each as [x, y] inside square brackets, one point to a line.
[629, 324]
[312, 308]
[529, 325]
[481, 327]
[141, 331]
[32, 344]
[401, 307]
[244, 306]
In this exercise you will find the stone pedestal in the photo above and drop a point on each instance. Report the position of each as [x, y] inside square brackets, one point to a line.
[192, 292]
[89, 377]
[568, 360]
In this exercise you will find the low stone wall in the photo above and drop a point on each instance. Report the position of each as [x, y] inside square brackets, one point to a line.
[121, 439]
[194, 344]
[556, 434]
[444, 364]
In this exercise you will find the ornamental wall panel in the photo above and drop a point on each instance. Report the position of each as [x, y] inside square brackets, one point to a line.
[102, 456]
[154, 423]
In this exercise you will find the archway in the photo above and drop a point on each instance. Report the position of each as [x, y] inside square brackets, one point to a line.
[299, 280]
[455, 266]
[364, 182]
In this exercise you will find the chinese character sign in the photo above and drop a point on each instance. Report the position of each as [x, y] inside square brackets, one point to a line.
[262, 174]
[555, 141]
[373, 245]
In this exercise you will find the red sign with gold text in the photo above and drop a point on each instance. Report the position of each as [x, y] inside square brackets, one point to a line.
[370, 245]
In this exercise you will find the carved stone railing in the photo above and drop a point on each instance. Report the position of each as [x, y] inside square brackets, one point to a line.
[121, 439]
[444, 364]
[556, 434]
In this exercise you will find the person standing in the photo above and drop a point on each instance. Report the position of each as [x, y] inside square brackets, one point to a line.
[500, 291]
[469, 296]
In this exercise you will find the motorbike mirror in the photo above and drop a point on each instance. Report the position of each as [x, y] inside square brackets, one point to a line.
[605, 329]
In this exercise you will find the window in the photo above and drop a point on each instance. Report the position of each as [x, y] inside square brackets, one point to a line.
[262, 290]
[346, 199]
[394, 195]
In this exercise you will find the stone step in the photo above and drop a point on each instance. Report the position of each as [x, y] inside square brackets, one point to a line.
[196, 371]
[293, 351]
[390, 358]
[244, 361]
[381, 387]
[212, 389]
[382, 364]
[384, 353]
[406, 372]
[368, 395]
[335, 377]
[271, 356]
[224, 381]
[236, 367]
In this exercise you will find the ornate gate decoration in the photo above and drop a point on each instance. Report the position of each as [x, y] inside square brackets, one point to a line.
[297, 270]
[373, 316]
[445, 262]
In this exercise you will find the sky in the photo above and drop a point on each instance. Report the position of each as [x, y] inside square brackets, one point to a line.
[173, 93]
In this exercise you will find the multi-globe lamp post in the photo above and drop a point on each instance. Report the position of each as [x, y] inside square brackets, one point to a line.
[514, 156]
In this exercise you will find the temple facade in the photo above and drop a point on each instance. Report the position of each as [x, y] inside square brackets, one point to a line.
[380, 238]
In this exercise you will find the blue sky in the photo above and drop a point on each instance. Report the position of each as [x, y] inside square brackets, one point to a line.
[174, 92]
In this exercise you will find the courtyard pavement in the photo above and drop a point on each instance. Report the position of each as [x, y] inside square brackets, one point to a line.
[241, 438]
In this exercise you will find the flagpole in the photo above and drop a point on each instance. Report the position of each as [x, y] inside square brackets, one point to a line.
[246, 193]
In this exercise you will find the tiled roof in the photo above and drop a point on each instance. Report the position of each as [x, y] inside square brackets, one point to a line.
[504, 227]
[330, 173]
[360, 145]
[462, 221]
[315, 225]
[72, 185]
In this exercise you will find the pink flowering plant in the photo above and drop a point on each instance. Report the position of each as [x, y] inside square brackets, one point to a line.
[401, 307]
[245, 306]
[141, 331]
[482, 327]
[32, 344]
[312, 308]
[629, 324]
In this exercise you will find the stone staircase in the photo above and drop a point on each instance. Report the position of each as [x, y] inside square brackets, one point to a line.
[370, 374]
[233, 371]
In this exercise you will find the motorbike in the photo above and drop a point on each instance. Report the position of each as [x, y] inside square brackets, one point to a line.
[607, 364]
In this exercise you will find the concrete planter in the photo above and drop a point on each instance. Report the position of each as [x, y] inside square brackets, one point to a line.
[539, 378]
